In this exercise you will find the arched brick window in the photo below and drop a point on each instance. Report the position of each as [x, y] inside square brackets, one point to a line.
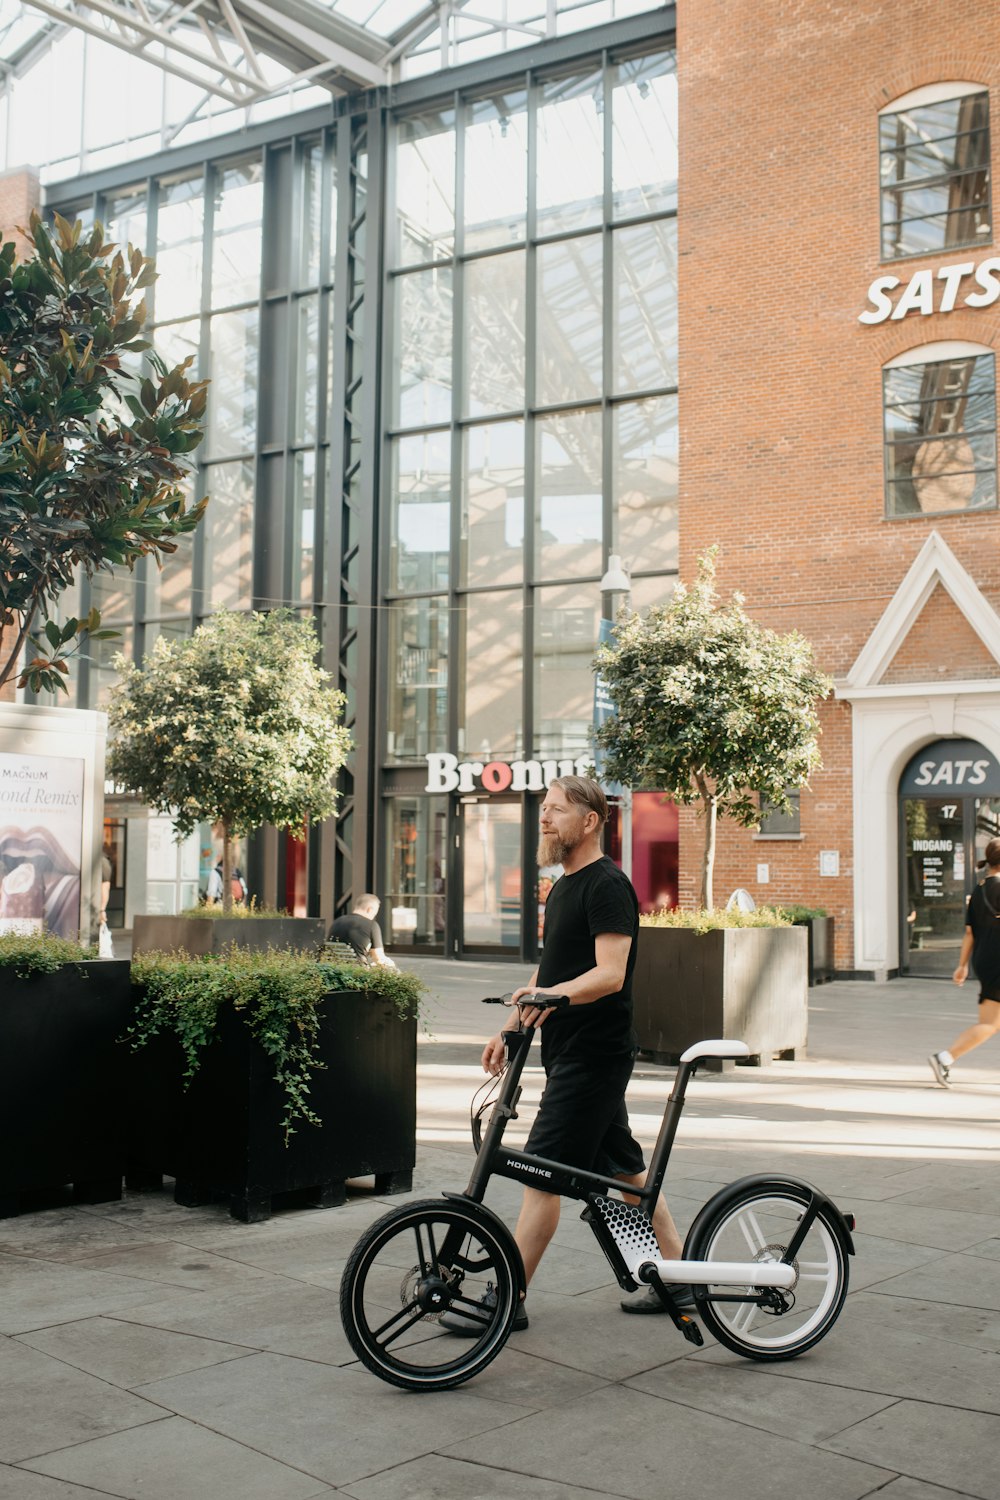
[934, 170]
[940, 419]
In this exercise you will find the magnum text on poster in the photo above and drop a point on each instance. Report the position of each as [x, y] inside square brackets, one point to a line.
[41, 843]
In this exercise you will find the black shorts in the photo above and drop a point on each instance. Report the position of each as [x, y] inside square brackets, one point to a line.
[582, 1119]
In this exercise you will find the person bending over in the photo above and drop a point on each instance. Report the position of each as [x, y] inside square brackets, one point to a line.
[588, 1049]
[361, 930]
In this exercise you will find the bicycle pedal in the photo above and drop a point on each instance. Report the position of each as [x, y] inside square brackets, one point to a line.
[691, 1331]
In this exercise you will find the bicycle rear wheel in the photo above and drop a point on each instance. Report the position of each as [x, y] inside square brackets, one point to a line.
[411, 1266]
[758, 1224]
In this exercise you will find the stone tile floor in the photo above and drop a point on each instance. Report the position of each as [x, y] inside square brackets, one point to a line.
[155, 1352]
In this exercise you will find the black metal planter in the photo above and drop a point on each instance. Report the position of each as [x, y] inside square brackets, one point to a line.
[745, 984]
[62, 1078]
[198, 935]
[221, 1138]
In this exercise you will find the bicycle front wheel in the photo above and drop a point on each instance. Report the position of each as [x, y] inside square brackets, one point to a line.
[417, 1263]
[758, 1224]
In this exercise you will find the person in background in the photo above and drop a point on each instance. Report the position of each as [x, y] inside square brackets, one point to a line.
[105, 884]
[981, 943]
[360, 929]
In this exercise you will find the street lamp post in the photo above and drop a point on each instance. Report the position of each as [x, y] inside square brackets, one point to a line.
[616, 581]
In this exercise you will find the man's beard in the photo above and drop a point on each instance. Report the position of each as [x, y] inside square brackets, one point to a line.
[552, 850]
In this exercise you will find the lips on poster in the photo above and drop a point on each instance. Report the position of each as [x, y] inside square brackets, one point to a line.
[41, 843]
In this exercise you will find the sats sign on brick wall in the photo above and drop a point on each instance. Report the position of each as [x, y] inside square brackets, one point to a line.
[963, 284]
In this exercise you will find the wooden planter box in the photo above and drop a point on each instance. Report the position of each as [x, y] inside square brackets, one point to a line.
[61, 1082]
[747, 984]
[197, 935]
[221, 1138]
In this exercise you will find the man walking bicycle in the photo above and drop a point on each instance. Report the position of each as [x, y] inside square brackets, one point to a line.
[588, 1049]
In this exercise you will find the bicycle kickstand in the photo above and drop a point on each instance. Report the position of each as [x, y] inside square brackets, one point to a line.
[687, 1325]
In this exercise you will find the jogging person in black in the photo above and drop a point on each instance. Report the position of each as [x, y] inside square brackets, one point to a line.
[588, 1050]
[981, 943]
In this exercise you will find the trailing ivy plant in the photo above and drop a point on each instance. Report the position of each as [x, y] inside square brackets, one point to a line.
[277, 994]
[27, 953]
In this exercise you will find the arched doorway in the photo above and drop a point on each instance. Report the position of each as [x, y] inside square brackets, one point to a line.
[949, 809]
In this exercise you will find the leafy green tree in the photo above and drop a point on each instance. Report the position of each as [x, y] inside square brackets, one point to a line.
[710, 707]
[233, 725]
[92, 457]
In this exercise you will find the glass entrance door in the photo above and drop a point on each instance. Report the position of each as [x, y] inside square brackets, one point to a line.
[935, 894]
[490, 841]
[949, 809]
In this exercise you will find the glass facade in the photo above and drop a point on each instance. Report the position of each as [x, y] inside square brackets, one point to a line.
[442, 354]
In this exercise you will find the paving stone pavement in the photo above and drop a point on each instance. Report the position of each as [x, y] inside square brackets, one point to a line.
[155, 1352]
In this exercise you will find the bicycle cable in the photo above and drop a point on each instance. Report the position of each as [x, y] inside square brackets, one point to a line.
[491, 1087]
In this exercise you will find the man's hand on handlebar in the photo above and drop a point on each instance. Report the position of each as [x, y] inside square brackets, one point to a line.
[530, 1015]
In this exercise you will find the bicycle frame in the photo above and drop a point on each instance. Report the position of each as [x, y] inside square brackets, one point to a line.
[633, 1252]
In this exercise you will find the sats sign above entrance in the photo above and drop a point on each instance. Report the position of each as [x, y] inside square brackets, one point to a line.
[964, 283]
[446, 773]
[951, 765]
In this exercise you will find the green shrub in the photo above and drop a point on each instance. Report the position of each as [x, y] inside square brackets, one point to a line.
[717, 917]
[796, 913]
[277, 992]
[39, 953]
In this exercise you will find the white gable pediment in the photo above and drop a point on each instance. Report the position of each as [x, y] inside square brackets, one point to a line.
[934, 564]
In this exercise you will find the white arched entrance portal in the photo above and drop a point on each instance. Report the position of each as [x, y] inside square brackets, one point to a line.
[893, 720]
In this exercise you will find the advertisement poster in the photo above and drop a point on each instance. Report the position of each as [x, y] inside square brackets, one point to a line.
[41, 843]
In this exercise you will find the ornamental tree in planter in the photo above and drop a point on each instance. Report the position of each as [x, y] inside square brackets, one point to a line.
[710, 708]
[259, 1073]
[92, 455]
[715, 710]
[62, 1070]
[234, 726]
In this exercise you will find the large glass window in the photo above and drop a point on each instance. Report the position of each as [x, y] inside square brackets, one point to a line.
[492, 504]
[232, 405]
[180, 225]
[236, 232]
[940, 434]
[494, 335]
[425, 188]
[644, 120]
[644, 482]
[565, 641]
[422, 368]
[935, 171]
[496, 170]
[421, 512]
[418, 678]
[491, 674]
[569, 318]
[569, 171]
[228, 537]
[569, 509]
[645, 312]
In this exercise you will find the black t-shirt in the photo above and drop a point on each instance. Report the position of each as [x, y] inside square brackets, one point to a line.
[361, 932]
[597, 899]
[985, 923]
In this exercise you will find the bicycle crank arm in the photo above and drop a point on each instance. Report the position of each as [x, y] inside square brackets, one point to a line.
[763, 1273]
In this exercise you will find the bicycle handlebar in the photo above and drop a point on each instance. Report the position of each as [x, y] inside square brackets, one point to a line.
[540, 1000]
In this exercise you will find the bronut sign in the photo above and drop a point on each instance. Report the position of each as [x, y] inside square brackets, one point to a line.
[962, 284]
[446, 773]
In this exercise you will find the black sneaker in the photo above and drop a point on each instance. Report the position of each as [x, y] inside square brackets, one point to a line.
[463, 1326]
[940, 1069]
[645, 1299]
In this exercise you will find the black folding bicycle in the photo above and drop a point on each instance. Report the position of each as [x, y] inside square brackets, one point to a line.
[766, 1257]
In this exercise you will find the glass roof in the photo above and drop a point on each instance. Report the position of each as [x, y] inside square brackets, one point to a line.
[137, 76]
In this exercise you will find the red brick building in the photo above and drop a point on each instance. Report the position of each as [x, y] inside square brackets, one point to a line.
[842, 447]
